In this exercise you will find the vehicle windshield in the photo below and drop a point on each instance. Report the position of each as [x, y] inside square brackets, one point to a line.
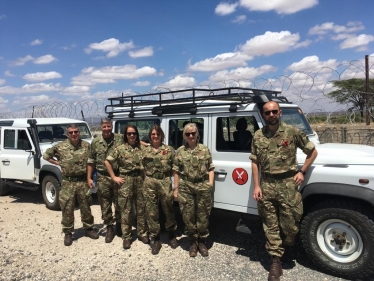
[296, 118]
[49, 133]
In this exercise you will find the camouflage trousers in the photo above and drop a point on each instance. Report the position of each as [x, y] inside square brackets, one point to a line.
[131, 191]
[195, 202]
[280, 209]
[156, 191]
[107, 195]
[70, 191]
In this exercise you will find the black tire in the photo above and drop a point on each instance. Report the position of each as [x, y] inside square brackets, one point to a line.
[4, 188]
[51, 192]
[334, 224]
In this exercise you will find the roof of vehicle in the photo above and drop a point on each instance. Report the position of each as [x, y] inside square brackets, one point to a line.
[22, 122]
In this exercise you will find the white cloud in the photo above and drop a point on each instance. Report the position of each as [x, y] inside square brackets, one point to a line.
[145, 52]
[22, 61]
[36, 42]
[280, 6]
[41, 76]
[2, 17]
[219, 62]
[7, 73]
[311, 63]
[70, 47]
[91, 76]
[178, 82]
[103, 95]
[304, 43]
[224, 8]
[2, 81]
[361, 41]
[270, 43]
[241, 73]
[112, 47]
[328, 27]
[240, 19]
[141, 83]
[75, 91]
[44, 59]
[32, 100]
[31, 88]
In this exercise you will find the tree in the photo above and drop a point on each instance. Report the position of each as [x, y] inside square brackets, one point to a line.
[351, 91]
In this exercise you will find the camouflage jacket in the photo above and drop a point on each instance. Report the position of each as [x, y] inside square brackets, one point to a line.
[100, 149]
[72, 159]
[126, 158]
[193, 163]
[160, 161]
[277, 153]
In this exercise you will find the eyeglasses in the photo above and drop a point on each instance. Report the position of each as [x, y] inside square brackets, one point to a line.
[155, 134]
[190, 134]
[73, 132]
[131, 134]
[275, 112]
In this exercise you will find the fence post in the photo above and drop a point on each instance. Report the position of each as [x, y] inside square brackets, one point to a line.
[343, 134]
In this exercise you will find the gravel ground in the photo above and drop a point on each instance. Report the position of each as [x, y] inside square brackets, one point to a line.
[32, 248]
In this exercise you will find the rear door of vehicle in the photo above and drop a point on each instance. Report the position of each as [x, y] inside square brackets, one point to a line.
[17, 154]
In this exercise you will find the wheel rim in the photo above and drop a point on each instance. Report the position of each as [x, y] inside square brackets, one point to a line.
[50, 192]
[339, 240]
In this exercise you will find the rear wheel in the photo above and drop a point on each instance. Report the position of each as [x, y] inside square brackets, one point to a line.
[51, 191]
[338, 236]
[4, 188]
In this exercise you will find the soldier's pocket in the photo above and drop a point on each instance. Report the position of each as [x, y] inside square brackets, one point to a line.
[208, 203]
[298, 208]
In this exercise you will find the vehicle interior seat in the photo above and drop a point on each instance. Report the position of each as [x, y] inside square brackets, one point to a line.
[242, 137]
[59, 133]
[45, 136]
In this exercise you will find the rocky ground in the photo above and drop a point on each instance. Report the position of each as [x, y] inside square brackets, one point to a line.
[31, 248]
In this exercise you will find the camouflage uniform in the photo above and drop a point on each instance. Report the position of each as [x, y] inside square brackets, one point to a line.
[281, 205]
[73, 163]
[130, 167]
[107, 188]
[157, 186]
[195, 191]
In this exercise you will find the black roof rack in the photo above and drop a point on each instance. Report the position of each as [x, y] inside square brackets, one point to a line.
[188, 100]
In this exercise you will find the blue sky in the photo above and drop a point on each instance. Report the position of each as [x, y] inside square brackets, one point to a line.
[52, 51]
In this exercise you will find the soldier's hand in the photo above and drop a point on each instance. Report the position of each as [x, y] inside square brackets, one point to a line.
[175, 193]
[118, 180]
[257, 193]
[90, 183]
[298, 178]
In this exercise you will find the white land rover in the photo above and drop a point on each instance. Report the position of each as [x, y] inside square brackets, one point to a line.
[337, 230]
[22, 144]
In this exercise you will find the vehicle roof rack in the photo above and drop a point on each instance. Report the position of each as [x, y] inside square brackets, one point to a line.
[188, 100]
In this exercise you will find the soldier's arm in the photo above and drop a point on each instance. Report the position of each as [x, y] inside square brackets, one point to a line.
[90, 168]
[49, 154]
[257, 192]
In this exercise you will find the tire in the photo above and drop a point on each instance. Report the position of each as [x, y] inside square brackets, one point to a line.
[51, 191]
[338, 236]
[4, 188]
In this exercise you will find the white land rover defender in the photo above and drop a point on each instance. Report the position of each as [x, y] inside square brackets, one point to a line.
[337, 230]
[22, 144]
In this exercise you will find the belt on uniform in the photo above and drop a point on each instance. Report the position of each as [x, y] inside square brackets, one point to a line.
[280, 176]
[74, 178]
[135, 173]
[160, 176]
[193, 179]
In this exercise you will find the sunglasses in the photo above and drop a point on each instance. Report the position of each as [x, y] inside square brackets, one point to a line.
[275, 112]
[73, 132]
[131, 134]
[190, 134]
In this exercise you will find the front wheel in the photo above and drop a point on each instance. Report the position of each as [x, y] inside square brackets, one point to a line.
[51, 192]
[339, 237]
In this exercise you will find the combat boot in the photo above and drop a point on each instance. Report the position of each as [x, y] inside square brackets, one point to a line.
[144, 239]
[173, 242]
[91, 233]
[126, 244]
[275, 271]
[193, 248]
[202, 248]
[109, 234]
[118, 229]
[288, 255]
[156, 245]
[68, 239]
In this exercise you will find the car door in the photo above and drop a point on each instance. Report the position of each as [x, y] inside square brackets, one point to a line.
[17, 154]
[233, 186]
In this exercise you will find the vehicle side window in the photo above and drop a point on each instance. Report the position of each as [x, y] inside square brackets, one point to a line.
[176, 130]
[142, 125]
[235, 133]
[21, 142]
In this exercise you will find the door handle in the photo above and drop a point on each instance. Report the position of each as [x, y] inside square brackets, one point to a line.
[220, 172]
[6, 161]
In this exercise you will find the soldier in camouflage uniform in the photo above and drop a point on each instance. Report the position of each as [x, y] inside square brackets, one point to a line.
[157, 161]
[128, 158]
[72, 155]
[107, 192]
[278, 200]
[193, 185]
